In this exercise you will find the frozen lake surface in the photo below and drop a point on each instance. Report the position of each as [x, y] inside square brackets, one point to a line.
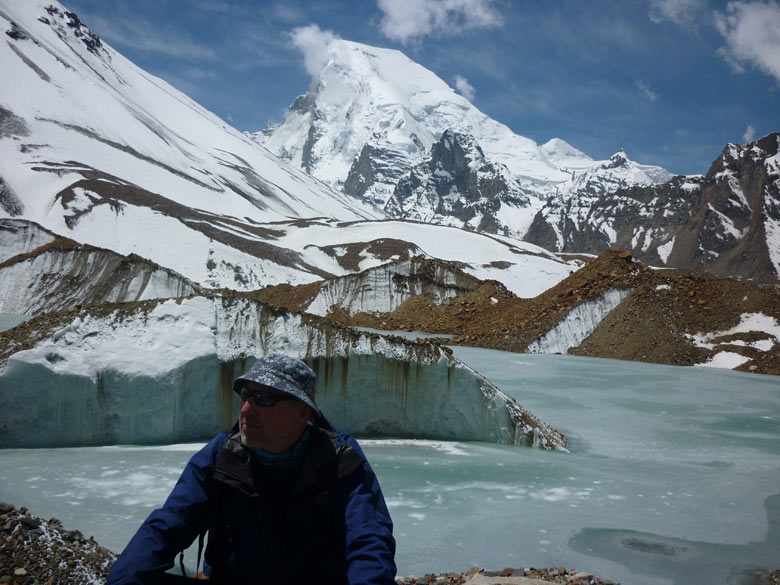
[9, 321]
[673, 477]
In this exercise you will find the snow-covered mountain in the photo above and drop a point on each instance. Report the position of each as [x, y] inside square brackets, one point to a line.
[94, 149]
[390, 132]
[726, 222]
[157, 197]
[387, 131]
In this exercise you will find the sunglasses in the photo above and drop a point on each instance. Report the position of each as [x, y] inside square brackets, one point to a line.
[263, 397]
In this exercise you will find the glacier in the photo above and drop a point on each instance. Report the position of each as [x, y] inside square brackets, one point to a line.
[578, 324]
[53, 279]
[18, 236]
[162, 371]
[384, 288]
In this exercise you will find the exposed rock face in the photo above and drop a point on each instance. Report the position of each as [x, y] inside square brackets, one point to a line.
[375, 173]
[457, 183]
[59, 19]
[10, 123]
[9, 201]
[727, 222]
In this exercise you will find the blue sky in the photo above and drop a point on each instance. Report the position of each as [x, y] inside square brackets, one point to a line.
[670, 81]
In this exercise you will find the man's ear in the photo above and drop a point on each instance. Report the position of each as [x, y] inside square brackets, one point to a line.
[306, 411]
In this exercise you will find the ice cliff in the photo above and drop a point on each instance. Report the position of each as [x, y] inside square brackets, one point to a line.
[62, 274]
[18, 236]
[384, 288]
[162, 372]
[578, 324]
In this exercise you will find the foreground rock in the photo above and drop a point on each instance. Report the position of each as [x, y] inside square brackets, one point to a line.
[477, 576]
[39, 551]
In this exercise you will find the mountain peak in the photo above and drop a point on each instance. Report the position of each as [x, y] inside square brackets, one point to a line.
[619, 159]
[556, 148]
[379, 97]
[375, 123]
[63, 22]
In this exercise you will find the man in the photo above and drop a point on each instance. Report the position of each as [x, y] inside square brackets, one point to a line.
[284, 497]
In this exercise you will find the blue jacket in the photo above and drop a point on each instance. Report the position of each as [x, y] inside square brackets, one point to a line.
[334, 529]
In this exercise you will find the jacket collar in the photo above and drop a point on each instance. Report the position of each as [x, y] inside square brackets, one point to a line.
[327, 460]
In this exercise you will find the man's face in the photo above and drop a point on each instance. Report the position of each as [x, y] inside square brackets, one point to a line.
[273, 429]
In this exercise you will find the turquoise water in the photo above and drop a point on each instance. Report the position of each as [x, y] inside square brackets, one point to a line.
[10, 321]
[673, 477]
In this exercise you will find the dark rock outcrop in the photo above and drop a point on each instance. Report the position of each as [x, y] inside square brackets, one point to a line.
[457, 181]
[726, 222]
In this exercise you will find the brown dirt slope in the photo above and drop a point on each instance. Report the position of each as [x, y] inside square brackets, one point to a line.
[653, 324]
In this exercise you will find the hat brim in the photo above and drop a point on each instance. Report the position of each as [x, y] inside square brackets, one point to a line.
[272, 379]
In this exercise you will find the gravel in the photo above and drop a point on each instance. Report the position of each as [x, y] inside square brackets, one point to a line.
[34, 551]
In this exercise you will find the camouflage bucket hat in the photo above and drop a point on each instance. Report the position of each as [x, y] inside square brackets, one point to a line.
[282, 373]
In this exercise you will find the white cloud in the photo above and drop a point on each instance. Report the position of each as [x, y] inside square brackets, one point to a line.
[287, 13]
[137, 33]
[405, 20]
[465, 88]
[752, 33]
[313, 43]
[750, 134]
[676, 11]
[646, 92]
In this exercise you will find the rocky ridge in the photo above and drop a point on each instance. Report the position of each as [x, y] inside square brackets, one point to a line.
[726, 222]
[664, 317]
[377, 290]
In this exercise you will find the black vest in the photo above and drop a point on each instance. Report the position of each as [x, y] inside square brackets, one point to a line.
[272, 526]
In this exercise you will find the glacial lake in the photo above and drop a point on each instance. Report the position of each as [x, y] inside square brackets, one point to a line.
[9, 321]
[673, 477]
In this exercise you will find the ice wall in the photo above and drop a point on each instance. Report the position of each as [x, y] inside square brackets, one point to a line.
[18, 236]
[163, 373]
[57, 279]
[581, 321]
[384, 288]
